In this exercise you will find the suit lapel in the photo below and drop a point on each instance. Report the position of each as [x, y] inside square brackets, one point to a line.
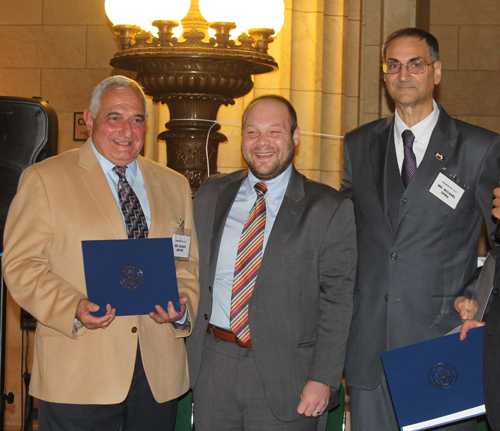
[98, 188]
[157, 204]
[380, 153]
[226, 196]
[443, 140]
[289, 213]
[393, 186]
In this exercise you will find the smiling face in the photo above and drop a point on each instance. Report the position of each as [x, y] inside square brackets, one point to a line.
[119, 127]
[406, 89]
[268, 144]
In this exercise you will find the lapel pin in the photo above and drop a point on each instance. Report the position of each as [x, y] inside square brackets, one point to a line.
[439, 156]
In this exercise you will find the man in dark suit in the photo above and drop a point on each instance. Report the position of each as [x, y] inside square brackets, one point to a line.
[491, 342]
[421, 184]
[276, 363]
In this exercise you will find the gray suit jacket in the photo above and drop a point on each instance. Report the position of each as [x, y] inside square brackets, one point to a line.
[301, 306]
[415, 252]
[491, 357]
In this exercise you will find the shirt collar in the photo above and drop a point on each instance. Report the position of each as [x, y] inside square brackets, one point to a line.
[422, 130]
[275, 187]
[107, 166]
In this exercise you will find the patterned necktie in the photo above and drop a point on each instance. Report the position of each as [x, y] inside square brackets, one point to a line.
[410, 162]
[247, 265]
[135, 222]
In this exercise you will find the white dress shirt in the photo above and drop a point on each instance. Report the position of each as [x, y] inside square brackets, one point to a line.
[422, 132]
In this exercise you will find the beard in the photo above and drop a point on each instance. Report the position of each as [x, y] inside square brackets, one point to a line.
[268, 172]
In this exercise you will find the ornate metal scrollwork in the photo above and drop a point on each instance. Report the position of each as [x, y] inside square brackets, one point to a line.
[194, 79]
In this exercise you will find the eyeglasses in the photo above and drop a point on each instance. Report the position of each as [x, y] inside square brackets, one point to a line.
[414, 67]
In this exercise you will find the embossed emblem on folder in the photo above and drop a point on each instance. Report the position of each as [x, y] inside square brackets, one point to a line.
[443, 376]
[131, 277]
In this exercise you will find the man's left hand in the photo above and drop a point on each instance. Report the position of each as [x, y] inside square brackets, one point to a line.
[170, 315]
[467, 326]
[466, 308]
[496, 203]
[314, 399]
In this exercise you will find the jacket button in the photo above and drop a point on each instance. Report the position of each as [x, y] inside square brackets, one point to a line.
[386, 297]
[206, 316]
[134, 329]
[394, 256]
[404, 200]
[495, 292]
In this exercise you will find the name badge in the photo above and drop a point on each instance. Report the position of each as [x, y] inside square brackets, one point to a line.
[181, 241]
[448, 188]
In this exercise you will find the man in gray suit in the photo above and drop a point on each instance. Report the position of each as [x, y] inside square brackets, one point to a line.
[421, 184]
[283, 370]
[491, 342]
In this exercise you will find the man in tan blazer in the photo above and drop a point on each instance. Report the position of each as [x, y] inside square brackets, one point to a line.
[99, 372]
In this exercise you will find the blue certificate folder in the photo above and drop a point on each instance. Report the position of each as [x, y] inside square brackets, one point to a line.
[438, 381]
[133, 275]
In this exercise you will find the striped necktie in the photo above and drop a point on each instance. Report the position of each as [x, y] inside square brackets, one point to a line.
[247, 265]
[409, 162]
[135, 221]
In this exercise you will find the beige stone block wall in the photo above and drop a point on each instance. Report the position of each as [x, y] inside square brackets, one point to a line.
[447, 36]
[58, 50]
[21, 12]
[318, 52]
[469, 36]
[465, 12]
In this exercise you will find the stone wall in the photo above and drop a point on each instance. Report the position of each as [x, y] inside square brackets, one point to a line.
[469, 34]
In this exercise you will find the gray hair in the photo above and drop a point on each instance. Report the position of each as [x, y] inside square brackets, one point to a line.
[118, 82]
[430, 40]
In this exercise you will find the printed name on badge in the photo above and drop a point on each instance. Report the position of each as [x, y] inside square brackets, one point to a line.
[447, 189]
[181, 241]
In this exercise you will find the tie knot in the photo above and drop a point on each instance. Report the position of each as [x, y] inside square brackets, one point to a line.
[261, 189]
[120, 171]
[408, 138]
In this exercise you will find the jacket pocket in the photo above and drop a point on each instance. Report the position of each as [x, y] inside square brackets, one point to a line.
[307, 344]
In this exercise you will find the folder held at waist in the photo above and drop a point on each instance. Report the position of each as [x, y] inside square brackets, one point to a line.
[437, 381]
[133, 275]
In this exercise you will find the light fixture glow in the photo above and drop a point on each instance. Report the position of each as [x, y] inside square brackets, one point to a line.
[193, 75]
[177, 31]
[220, 10]
[121, 12]
[263, 14]
[127, 12]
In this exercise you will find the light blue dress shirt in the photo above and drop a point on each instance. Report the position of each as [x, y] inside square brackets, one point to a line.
[224, 273]
[135, 179]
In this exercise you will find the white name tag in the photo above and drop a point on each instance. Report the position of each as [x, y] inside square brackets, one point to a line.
[182, 244]
[447, 190]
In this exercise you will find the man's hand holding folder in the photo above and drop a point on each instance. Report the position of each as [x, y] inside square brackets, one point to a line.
[85, 307]
[467, 326]
[171, 315]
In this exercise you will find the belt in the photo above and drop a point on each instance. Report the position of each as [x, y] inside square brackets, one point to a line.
[227, 336]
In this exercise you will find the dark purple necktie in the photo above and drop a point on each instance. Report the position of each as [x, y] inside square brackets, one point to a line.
[135, 221]
[410, 162]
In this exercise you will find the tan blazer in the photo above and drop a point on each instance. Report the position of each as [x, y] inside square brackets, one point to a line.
[60, 202]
